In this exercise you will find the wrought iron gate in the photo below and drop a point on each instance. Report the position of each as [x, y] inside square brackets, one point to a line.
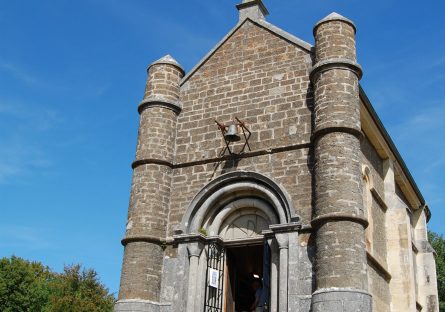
[266, 277]
[213, 301]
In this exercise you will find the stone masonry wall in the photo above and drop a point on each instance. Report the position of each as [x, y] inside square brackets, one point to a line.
[263, 80]
[164, 82]
[378, 285]
[379, 288]
[159, 124]
[146, 265]
[379, 232]
[289, 169]
[149, 179]
[374, 162]
[335, 40]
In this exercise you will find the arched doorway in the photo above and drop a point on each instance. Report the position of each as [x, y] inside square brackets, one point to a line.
[237, 230]
[241, 258]
[247, 259]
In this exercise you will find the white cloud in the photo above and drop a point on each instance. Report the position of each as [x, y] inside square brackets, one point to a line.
[20, 159]
[24, 237]
[173, 33]
[420, 141]
[22, 144]
[426, 125]
[20, 74]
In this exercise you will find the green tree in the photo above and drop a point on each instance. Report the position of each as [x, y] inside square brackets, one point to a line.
[438, 243]
[27, 286]
[23, 285]
[77, 290]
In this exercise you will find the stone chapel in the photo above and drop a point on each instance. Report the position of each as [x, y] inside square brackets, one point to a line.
[267, 165]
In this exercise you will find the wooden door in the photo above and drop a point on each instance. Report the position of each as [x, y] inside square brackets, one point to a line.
[229, 302]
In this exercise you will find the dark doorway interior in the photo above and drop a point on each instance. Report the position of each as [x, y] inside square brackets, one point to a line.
[244, 264]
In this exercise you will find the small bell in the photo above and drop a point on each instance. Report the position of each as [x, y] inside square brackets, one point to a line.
[231, 135]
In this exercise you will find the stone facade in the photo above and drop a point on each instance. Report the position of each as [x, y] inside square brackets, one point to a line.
[319, 183]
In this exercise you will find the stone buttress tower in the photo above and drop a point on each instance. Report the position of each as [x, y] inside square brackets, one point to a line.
[338, 222]
[150, 191]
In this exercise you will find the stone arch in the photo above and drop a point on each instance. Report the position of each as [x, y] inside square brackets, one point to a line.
[236, 190]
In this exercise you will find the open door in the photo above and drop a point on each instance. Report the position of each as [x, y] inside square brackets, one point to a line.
[244, 265]
[230, 276]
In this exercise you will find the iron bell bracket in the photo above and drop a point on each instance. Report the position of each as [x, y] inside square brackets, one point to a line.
[246, 134]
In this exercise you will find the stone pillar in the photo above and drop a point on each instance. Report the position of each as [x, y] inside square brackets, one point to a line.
[150, 190]
[194, 249]
[339, 222]
[283, 246]
[399, 246]
[426, 265]
[273, 301]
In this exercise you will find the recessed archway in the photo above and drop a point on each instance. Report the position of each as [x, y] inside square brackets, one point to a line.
[236, 209]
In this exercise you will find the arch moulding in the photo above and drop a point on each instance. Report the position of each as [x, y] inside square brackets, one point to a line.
[237, 190]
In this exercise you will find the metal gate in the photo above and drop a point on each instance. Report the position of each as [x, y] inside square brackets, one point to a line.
[265, 297]
[213, 301]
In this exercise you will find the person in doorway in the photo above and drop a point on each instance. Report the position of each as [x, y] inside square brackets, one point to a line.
[257, 305]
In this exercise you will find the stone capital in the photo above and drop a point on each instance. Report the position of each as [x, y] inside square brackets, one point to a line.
[195, 249]
[282, 240]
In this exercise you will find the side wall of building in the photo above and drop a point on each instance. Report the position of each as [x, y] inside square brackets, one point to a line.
[376, 247]
[399, 255]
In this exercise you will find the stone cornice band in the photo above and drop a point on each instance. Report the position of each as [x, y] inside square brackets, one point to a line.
[337, 63]
[143, 238]
[284, 228]
[148, 161]
[321, 132]
[151, 161]
[341, 289]
[315, 223]
[159, 102]
[335, 217]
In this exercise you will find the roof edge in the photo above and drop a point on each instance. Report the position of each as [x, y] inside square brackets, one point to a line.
[393, 148]
[211, 52]
[285, 35]
[272, 28]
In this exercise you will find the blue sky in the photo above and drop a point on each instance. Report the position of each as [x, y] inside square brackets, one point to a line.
[73, 72]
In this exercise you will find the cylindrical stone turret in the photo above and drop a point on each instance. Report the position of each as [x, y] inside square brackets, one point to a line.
[150, 189]
[338, 221]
